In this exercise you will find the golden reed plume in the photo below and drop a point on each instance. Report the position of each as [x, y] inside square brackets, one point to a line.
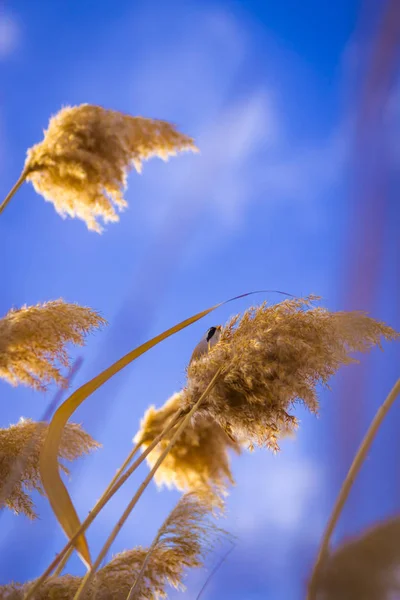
[82, 163]
[188, 527]
[272, 357]
[181, 543]
[33, 341]
[20, 447]
[198, 460]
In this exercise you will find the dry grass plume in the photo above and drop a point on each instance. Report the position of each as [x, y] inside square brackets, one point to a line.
[20, 447]
[82, 163]
[181, 543]
[199, 459]
[186, 536]
[272, 357]
[33, 341]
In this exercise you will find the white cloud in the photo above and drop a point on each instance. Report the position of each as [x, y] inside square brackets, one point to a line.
[279, 493]
[231, 147]
[303, 173]
[195, 80]
[221, 179]
[191, 73]
[9, 35]
[247, 155]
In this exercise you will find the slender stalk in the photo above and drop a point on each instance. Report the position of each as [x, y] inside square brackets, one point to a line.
[215, 569]
[135, 588]
[13, 190]
[119, 471]
[185, 422]
[114, 480]
[63, 563]
[347, 485]
[102, 502]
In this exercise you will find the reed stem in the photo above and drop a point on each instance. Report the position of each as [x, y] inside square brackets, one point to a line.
[103, 501]
[63, 562]
[91, 572]
[135, 588]
[119, 471]
[13, 190]
[347, 485]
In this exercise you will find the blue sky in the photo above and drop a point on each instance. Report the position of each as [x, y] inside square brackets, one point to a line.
[270, 91]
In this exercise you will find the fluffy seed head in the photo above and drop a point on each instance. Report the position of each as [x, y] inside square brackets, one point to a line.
[82, 163]
[366, 567]
[183, 541]
[20, 447]
[33, 340]
[185, 538]
[198, 460]
[272, 357]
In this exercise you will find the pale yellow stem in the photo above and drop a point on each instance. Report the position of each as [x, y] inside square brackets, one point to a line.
[128, 459]
[135, 588]
[13, 190]
[63, 563]
[92, 570]
[103, 501]
[347, 485]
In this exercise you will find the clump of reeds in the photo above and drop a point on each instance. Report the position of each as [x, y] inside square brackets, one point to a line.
[82, 163]
[199, 459]
[181, 543]
[365, 567]
[33, 341]
[271, 358]
[242, 382]
[20, 447]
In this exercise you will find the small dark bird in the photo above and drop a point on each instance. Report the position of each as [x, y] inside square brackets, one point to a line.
[211, 332]
[211, 337]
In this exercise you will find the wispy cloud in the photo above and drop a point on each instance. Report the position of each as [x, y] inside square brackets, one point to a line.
[280, 493]
[10, 34]
[248, 154]
[221, 180]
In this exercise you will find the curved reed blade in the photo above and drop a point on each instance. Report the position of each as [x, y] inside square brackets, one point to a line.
[54, 487]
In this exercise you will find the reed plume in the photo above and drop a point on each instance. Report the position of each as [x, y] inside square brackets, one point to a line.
[82, 163]
[273, 357]
[186, 536]
[20, 447]
[33, 341]
[365, 567]
[182, 543]
[198, 460]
